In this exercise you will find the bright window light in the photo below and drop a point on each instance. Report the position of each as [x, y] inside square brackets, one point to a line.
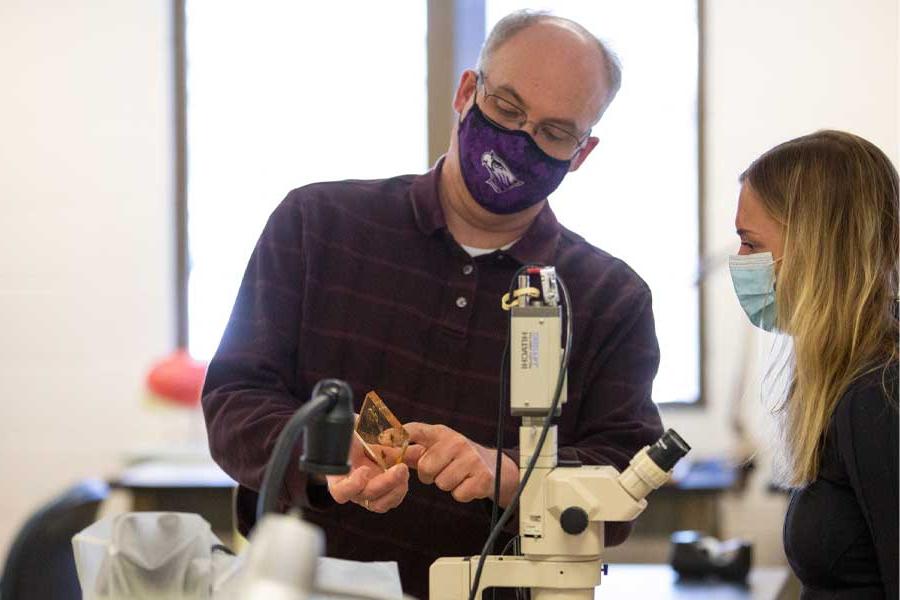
[280, 94]
[284, 93]
[637, 195]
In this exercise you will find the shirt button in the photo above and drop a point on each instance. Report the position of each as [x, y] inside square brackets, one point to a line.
[467, 270]
[461, 302]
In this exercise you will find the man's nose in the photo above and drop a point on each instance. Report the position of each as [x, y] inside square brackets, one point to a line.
[530, 127]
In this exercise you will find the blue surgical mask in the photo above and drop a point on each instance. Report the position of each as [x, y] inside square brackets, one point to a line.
[753, 276]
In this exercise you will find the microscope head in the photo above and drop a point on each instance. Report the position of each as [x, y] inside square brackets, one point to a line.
[651, 467]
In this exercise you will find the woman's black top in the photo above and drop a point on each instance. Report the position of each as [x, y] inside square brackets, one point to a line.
[840, 532]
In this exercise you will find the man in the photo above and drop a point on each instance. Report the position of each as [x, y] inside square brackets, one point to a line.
[395, 286]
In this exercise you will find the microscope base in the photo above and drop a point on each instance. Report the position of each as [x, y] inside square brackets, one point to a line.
[451, 578]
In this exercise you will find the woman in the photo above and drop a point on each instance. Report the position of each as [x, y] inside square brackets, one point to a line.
[817, 218]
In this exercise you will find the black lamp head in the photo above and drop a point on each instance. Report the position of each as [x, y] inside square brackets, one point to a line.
[327, 437]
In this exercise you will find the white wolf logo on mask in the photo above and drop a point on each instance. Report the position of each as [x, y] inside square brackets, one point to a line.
[501, 179]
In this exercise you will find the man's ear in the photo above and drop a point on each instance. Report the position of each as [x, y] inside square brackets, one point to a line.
[582, 154]
[467, 82]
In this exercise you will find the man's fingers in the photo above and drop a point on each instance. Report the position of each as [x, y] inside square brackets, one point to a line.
[393, 497]
[412, 456]
[431, 464]
[451, 476]
[448, 460]
[423, 433]
[384, 483]
[344, 489]
[388, 501]
[471, 489]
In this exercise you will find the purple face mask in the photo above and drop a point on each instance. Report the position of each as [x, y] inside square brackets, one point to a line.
[505, 170]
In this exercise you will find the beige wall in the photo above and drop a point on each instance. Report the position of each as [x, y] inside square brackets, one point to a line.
[86, 236]
[775, 70]
[86, 239]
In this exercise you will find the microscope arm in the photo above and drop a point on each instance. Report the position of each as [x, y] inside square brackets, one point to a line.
[602, 493]
[561, 526]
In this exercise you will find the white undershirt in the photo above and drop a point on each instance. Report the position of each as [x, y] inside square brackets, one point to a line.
[473, 251]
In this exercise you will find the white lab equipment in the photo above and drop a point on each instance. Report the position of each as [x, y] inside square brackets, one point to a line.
[562, 507]
[284, 562]
[175, 556]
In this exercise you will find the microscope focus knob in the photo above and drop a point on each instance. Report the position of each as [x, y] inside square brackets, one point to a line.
[574, 520]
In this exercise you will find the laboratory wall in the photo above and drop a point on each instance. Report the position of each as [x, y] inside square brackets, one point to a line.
[87, 226]
[86, 240]
[773, 70]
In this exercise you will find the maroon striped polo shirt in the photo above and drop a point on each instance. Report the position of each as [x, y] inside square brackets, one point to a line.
[361, 280]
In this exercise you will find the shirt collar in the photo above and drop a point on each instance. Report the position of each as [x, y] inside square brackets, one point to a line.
[537, 245]
[426, 204]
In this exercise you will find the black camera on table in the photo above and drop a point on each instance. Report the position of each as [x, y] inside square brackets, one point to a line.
[695, 556]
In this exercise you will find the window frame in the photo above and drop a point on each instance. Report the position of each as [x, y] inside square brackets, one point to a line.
[455, 31]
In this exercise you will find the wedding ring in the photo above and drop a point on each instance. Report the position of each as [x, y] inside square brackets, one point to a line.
[366, 503]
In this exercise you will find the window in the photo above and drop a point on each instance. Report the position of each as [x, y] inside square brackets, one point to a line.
[637, 195]
[282, 93]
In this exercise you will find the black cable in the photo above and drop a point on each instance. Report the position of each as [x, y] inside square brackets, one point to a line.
[510, 543]
[221, 548]
[513, 543]
[521, 593]
[281, 455]
[501, 405]
[514, 503]
[498, 465]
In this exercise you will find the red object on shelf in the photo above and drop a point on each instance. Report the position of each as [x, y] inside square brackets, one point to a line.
[177, 379]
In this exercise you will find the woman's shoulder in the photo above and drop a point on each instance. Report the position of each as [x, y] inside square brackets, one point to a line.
[869, 406]
[880, 383]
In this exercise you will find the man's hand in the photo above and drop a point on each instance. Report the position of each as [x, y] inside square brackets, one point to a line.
[367, 485]
[458, 465]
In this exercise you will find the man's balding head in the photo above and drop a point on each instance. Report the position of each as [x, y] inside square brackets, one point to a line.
[577, 43]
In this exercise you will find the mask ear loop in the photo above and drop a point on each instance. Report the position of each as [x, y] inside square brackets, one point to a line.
[459, 117]
[775, 272]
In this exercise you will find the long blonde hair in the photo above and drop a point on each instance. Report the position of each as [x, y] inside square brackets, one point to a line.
[836, 198]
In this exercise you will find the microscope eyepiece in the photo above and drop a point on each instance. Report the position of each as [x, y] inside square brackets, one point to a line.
[668, 450]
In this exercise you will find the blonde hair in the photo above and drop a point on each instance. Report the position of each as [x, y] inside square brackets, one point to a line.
[836, 198]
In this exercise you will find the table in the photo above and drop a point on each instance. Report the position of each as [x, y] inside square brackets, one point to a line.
[660, 582]
[193, 487]
[202, 487]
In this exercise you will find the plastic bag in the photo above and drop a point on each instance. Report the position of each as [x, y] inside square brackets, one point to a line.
[149, 555]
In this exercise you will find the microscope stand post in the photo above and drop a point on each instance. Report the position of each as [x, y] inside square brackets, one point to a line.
[451, 578]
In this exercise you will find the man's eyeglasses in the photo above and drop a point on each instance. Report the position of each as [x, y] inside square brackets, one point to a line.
[552, 139]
